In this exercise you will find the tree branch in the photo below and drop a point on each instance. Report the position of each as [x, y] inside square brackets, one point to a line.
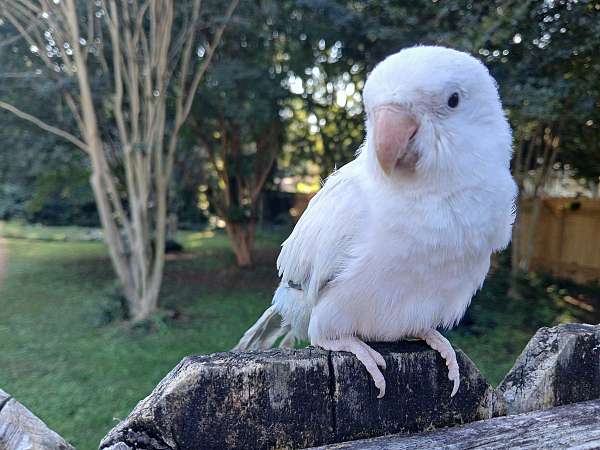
[208, 58]
[184, 108]
[44, 126]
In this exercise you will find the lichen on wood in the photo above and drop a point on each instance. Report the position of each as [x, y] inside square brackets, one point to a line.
[299, 398]
[559, 365]
[310, 397]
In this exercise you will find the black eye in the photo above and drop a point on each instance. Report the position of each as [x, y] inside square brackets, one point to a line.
[453, 100]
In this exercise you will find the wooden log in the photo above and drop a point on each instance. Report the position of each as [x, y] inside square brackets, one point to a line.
[559, 365]
[299, 398]
[574, 426]
[22, 430]
[417, 395]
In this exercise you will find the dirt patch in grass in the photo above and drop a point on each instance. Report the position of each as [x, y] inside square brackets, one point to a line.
[213, 279]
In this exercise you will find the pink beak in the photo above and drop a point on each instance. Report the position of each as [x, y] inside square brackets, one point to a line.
[394, 128]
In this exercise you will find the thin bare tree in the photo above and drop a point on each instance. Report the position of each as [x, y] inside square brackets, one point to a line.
[147, 49]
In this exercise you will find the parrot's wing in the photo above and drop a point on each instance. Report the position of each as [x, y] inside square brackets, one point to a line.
[318, 247]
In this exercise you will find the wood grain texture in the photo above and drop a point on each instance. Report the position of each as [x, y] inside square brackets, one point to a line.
[299, 398]
[417, 395]
[21, 430]
[574, 426]
[309, 397]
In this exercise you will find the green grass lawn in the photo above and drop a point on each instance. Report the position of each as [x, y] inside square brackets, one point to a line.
[64, 358]
[79, 374]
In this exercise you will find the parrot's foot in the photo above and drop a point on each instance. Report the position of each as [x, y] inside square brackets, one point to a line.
[439, 343]
[370, 358]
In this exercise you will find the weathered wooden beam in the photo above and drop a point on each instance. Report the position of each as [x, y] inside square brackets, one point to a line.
[299, 398]
[559, 365]
[574, 426]
[308, 397]
[21, 430]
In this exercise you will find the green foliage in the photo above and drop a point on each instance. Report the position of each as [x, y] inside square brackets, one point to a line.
[42, 179]
[295, 68]
[236, 123]
[21, 230]
[543, 55]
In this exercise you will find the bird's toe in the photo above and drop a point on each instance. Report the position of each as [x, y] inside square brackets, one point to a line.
[381, 387]
[455, 386]
[379, 360]
[454, 376]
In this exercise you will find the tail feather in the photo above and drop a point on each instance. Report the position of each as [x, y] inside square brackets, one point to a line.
[265, 333]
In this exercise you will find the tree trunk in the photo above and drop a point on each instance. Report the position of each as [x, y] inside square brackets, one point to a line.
[144, 305]
[551, 147]
[515, 255]
[241, 236]
[145, 63]
[172, 226]
[514, 249]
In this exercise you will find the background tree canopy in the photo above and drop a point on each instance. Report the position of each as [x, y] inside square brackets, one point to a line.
[283, 99]
[41, 178]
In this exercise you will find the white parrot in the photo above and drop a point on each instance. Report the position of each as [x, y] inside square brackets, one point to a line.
[397, 241]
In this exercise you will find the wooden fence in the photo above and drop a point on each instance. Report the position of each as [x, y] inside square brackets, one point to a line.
[566, 238]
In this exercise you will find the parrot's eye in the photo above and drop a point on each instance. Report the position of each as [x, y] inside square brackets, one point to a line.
[453, 100]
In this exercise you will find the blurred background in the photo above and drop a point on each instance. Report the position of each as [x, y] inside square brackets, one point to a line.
[204, 130]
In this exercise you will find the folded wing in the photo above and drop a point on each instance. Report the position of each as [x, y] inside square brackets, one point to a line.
[317, 249]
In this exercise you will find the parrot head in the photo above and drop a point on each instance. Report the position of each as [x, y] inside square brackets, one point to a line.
[434, 112]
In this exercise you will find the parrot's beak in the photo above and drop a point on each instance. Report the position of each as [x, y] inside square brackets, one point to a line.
[394, 128]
